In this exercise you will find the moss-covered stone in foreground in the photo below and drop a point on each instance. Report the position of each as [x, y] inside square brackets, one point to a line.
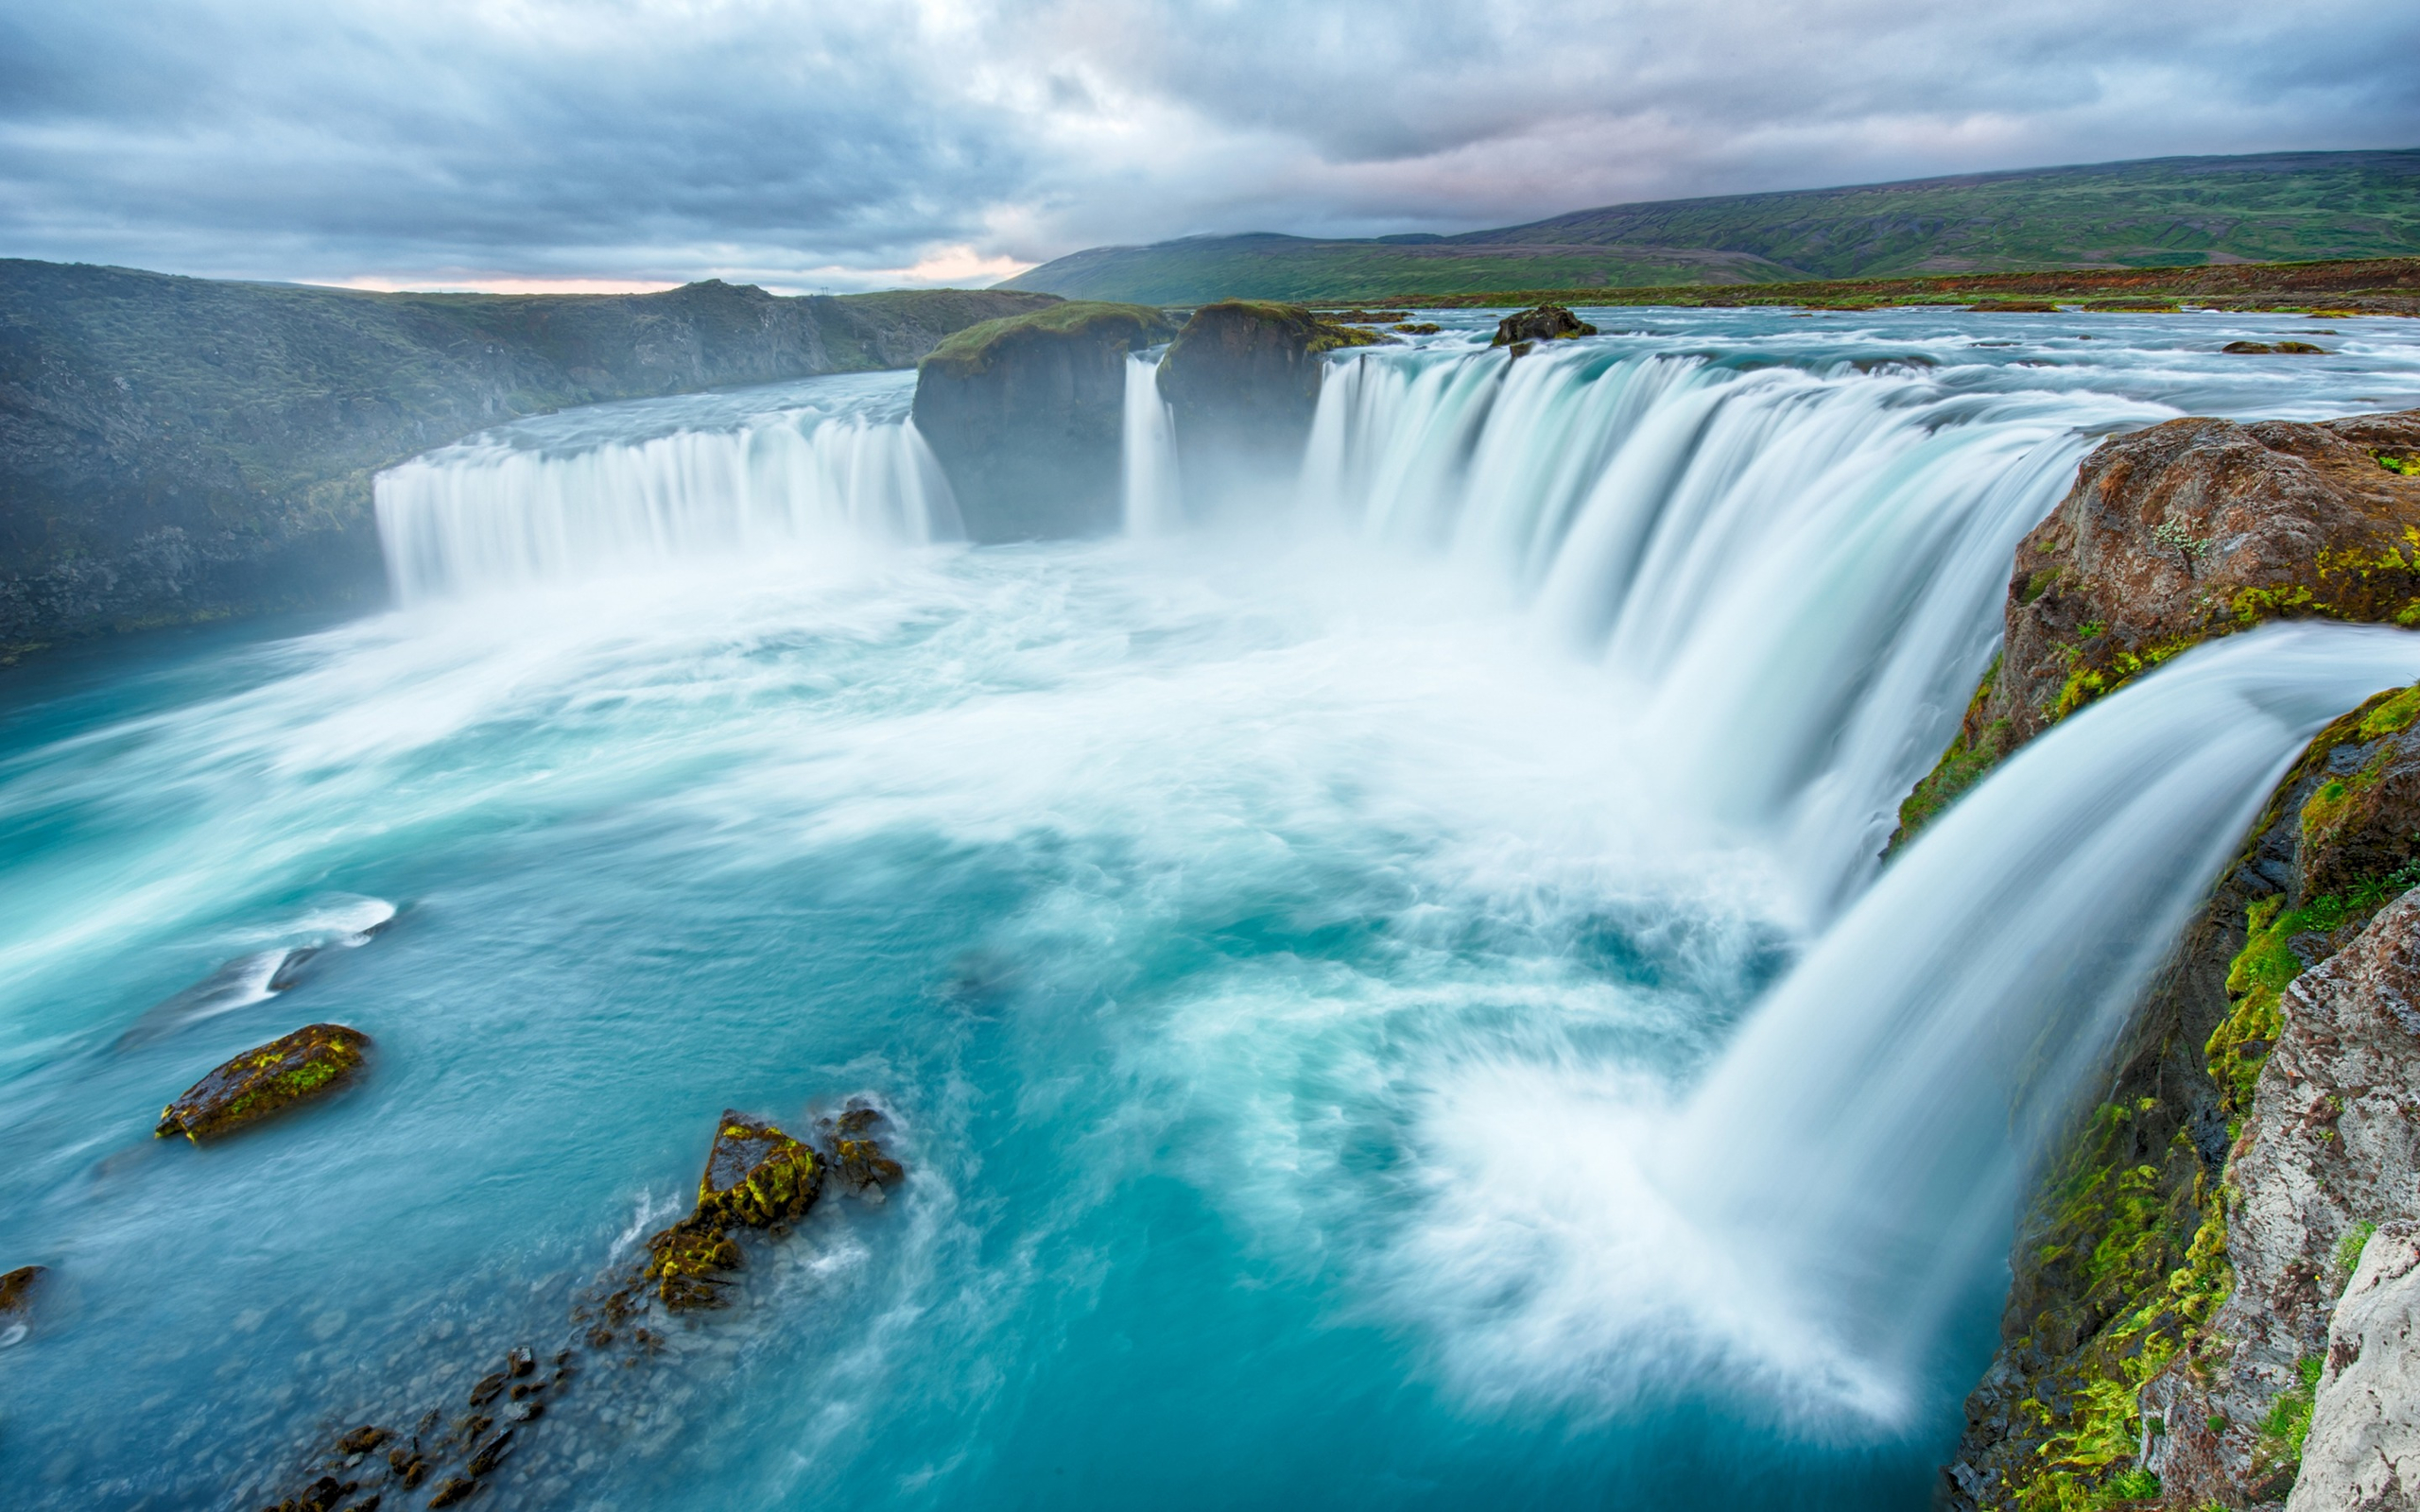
[311, 1062]
[755, 1177]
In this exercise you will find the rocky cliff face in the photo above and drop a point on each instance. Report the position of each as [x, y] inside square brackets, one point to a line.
[2330, 1148]
[2164, 1299]
[1242, 380]
[175, 448]
[2191, 529]
[1025, 416]
[2362, 1453]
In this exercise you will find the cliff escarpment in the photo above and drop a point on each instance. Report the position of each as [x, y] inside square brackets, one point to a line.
[2174, 1270]
[1025, 416]
[175, 448]
[1242, 384]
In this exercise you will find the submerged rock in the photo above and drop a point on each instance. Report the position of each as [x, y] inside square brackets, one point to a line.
[308, 1063]
[2283, 349]
[1547, 322]
[1242, 380]
[1025, 416]
[17, 1291]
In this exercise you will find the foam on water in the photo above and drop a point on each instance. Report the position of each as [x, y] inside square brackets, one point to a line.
[1331, 974]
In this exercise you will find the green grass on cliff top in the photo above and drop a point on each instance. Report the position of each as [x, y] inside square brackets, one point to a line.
[2159, 212]
[967, 350]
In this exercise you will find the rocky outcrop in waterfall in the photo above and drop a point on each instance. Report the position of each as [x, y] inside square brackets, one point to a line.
[1023, 416]
[177, 449]
[1242, 380]
[2191, 529]
[2171, 1275]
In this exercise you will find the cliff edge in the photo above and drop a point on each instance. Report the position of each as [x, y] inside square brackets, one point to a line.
[177, 449]
[2171, 1275]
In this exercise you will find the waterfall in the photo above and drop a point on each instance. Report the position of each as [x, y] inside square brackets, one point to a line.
[1865, 1135]
[1153, 506]
[1798, 568]
[499, 512]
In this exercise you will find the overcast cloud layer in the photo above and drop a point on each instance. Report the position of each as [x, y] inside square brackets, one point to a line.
[851, 144]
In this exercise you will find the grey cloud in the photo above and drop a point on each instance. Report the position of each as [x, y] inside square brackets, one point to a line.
[773, 138]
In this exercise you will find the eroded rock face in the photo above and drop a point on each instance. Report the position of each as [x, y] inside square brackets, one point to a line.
[2332, 1142]
[2123, 1261]
[1547, 323]
[1242, 380]
[310, 1063]
[2185, 531]
[1025, 416]
[2363, 1453]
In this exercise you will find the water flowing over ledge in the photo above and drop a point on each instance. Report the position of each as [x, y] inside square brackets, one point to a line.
[1393, 983]
[833, 466]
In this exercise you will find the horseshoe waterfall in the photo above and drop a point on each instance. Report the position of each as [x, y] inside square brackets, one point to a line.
[1390, 982]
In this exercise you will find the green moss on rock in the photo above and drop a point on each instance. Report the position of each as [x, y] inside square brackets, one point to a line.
[756, 1176]
[308, 1063]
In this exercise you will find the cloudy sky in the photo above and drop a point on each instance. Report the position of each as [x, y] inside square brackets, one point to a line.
[854, 144]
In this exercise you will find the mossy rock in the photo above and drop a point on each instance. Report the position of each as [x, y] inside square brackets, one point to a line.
[974, 351]
[311, 1062]
[755, 1177]
[756, 1174]
[1546, 322]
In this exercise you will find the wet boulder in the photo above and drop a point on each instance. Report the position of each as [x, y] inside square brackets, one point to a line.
[1547, 322]
[858, 1156]
[310, 1063]
[1242, 381]
[756, 1176]
[1025, 416]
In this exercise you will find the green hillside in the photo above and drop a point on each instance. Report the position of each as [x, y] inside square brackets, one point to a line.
[2156, 213]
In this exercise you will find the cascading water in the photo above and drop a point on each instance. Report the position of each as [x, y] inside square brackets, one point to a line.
[821, 467]
[1331, 972]
[1152, 503]
[1796, 567]
[1866, 1132]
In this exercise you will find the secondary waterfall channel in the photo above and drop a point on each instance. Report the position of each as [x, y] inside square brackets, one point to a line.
[1385, 989]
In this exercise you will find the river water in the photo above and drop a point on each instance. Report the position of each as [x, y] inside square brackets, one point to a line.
[1382, 987]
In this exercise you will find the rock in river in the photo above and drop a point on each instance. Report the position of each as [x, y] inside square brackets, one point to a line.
[755, 1177]
[310, 1062]
[1547, 323]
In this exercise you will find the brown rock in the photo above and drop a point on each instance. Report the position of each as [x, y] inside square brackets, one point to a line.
[308, 1063]
[362, 1440]
[755, 1177]
[17, 1288]
[2180, 533]
[1547, 323]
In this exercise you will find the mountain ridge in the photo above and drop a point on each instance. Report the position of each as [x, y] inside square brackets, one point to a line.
[2142, 212]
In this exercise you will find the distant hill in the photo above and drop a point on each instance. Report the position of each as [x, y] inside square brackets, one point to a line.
[2154, 213]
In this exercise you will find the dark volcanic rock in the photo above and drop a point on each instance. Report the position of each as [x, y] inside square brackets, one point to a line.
[1547, 323]
[308, 1063]
[1025, 416]
[1243, 381]
[177, 449]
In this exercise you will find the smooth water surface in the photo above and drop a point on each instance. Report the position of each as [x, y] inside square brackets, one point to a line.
[1301, 945]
